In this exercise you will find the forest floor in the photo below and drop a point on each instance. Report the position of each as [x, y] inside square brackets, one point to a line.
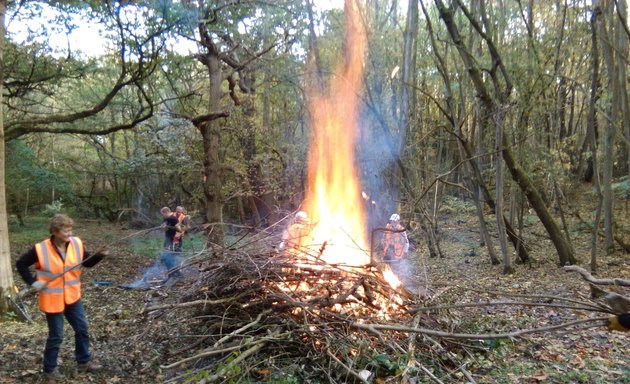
[578, 356]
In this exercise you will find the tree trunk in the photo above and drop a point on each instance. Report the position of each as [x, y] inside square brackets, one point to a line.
[591, 129]
[519, 245]
[505, 257]
[609, 129]
[408, 91]
[622, 10]
[210, 130]
[6, 272]
[564, 249]
[212, 182]
[252, 183]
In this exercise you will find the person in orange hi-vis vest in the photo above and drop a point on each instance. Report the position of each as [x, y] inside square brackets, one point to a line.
[57, 263]
[297, 234]
[183, 224]
[395, 244]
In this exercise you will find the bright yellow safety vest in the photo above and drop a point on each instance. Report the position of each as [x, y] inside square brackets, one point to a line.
[63, 290]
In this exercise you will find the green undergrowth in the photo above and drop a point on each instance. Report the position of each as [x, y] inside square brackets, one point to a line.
[35, 229]
[152, 245]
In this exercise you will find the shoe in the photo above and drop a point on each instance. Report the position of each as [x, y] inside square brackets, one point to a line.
[54, 376]
[90, 366]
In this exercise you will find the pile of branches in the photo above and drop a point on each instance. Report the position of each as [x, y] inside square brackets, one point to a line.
[282, 314]
[291, 318]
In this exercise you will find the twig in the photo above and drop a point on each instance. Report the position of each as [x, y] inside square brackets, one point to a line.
[450, 356]
[430, 374]
[411, 352]
[350, 370]
[255, 347]
[241, 329]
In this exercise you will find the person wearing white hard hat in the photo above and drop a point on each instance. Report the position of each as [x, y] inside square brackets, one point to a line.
[297, 234]
[395, 242]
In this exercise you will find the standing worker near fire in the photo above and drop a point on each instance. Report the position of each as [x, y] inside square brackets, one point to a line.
[395, 242]
[297, 234]
[182, 219]
[171, 228]
[58, 281]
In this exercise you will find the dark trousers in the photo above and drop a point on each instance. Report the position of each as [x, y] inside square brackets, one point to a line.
[75, 314]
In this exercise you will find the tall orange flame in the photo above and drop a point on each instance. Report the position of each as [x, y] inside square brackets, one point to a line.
[333, 197]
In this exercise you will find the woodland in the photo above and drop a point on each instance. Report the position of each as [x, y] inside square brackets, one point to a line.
[499, 130]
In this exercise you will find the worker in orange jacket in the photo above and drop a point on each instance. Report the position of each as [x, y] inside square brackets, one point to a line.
[395, 241]
[297, 234]
[58, 282]
[183, 224]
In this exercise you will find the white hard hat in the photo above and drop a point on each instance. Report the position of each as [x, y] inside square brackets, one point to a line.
[394, 217]
[301, 215]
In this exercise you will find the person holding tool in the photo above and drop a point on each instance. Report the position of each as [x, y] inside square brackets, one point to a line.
[58, 262]
[182, 219]
[169, 256]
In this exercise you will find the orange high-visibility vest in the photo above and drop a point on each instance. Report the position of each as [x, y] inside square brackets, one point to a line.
[178, 235]
[180, 218]
[297, 235]
[63, 290]
[397, 239]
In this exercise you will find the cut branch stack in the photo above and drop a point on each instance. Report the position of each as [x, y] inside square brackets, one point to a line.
[269, 316]
[253, 313]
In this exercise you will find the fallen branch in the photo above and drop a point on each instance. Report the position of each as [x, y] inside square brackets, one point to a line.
[193, 303]
[519, 303]
[588, 277]
[595, 306]
[203, 354]
[374, 328]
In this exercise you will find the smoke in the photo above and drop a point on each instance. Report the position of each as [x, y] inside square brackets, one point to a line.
[158, 273]
[377, 164]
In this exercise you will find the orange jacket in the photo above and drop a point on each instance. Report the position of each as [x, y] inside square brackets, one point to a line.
[397, 239]
[297, 235]
[180, 218]
[63, 290]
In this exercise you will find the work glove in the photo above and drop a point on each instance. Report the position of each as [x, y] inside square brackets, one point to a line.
[38, 285]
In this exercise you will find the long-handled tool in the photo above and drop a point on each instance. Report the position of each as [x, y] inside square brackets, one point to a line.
[19, 307]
